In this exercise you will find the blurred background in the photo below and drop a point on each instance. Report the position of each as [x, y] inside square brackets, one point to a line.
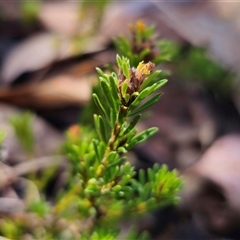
[48, 54]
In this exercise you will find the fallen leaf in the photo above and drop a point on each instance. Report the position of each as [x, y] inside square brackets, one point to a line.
[211, 190]
[57, 91]
[200, 24]
[11, 205]
[67, 23]
[40, 51]
[7, 175]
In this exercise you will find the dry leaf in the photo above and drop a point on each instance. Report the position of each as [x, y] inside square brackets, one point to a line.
[33, 54]
[40, 51]
[60, 17]
[200, 24]
[11, 205]
[211, 190]
[221, 164]
[7, 175]
[57, 91]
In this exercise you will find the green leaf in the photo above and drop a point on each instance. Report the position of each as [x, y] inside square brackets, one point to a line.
[113, 86]
[119, 61]
[125, 68]
[132, 124]
[102, 129]
[122, 45]
[101, 149]
[126, 178]
[97, 126]
[150, 174]
[121, 150]
[143, 94]
[142, 137]
[147, 104]
[108, 94]
[41, 208]
[133, 234]
[112, 156]
[156, 167]
[113, 117]
[98, 103]
[105, 79]
[148, 32]
[114, 75]
[157, 86]
[124, 88]
[95, 146]
[89, 159]
[142, 177]
[101, 108]
[125, 44]
[131, 134]
[113, 172]
[101, 73]
[148, 91]
[150, 79]
[118, 162]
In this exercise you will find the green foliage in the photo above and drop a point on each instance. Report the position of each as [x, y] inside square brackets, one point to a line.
[9, 229]
[144, 46]
[106, 180]
[101, 233]
[30, 10]
[103, 187]
[133, 234]
[22, 125]
[41, 208]
[195, 65]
